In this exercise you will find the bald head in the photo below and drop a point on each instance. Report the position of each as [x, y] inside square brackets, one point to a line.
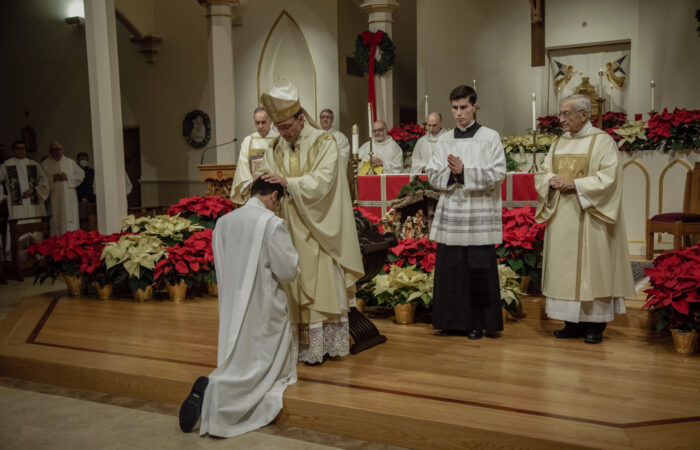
[379, 131]
[434, 123]
[56, 150]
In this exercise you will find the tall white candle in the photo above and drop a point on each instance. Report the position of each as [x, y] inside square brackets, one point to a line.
[653, 86]
[369, 119]
[355, 140]
[474, 83]
[611, 97]
[426, 108]
[600, 83]
[534, 113]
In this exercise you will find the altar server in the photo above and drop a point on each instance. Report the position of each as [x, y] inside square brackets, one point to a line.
[64, 176]
[251, 154]
[426, 145]
[586, 272]
[253, 254]
[468, 168]
[387, 152]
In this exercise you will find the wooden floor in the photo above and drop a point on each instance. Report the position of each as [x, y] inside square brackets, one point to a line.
[523, 390]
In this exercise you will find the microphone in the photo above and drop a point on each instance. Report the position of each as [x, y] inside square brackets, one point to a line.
[201, 158]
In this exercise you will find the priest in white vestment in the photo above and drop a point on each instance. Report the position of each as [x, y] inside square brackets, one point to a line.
[586, 272]
[64, 176]
[319, 214]
[27, 189]
[254, 255]
[426, 145]
[251, 154]
[387, 152]
[326, 121]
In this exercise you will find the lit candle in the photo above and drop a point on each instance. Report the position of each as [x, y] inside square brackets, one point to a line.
[426, 108]
[474, 83]
[534, 113]
[600, 84]
[355, 140]
[653, 85]
[369, 119]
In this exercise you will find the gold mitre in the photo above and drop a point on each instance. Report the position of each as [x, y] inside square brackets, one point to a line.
[282, 102]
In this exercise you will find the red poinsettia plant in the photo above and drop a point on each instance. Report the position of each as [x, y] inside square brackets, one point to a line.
[191, 261]
[675, 288]
[549, 125]
[413, 252]
[522, 242]
[406, 136]
[677, 130]
[202, 210]
[75, 253]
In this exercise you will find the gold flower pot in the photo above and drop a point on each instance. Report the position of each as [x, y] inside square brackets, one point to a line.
[141, 295]
[404, 314]
[212, 289]
[104, 293]
[360, 305]
[73, 284]
[177, 292]
[684, 341]
[524, 283]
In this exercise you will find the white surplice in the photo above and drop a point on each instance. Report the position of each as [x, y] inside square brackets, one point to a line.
[388, 151]
[253, 253]
[63, 198]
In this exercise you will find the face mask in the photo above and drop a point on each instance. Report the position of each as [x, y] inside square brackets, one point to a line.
[83, 163]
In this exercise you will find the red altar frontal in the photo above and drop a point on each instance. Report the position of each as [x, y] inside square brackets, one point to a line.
[374, 192]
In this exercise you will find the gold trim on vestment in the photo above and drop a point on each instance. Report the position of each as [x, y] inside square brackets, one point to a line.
[579, 258]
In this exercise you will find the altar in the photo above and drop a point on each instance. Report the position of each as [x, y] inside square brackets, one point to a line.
[374, 192]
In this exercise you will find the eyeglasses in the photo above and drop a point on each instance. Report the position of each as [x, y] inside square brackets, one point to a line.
[326, 117]
[567, 114]
[379, 130]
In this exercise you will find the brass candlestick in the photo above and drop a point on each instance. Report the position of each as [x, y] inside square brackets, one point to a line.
[355, 170]
[600, 103]
[371, 157]
[534, 167]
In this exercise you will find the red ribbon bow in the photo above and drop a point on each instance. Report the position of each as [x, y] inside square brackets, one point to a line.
[373, 40]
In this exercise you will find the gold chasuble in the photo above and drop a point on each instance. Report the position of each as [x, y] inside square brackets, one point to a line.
[319, 215]
[585, 249]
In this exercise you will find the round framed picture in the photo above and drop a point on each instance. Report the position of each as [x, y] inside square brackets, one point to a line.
[196, 128]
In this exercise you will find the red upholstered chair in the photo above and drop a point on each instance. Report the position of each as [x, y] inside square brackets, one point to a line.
[682, 224]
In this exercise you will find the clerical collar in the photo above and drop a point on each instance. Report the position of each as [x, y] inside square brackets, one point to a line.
[469, 132]
[586, 130]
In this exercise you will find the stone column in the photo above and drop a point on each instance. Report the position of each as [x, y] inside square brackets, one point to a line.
[106, 114]
[221, 77]
[381, 17]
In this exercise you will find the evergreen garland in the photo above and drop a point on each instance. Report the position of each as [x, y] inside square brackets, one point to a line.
[416, 184]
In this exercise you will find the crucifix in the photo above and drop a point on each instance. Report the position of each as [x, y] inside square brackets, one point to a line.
[537, 32]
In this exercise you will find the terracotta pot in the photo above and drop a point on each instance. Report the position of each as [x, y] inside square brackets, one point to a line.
[177, 292]
[360, 305]
[684, 341]
[104, 293]
[74, 284]
[141, 295]
[524, 283]
[404, 314]
[212, 289]
[506, 315]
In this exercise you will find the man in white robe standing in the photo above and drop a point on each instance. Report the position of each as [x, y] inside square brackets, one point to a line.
[251, 154]
[27, 188]
[253, 254]
[387, 152]
[327, 118]
[426, 145]
[64, 175]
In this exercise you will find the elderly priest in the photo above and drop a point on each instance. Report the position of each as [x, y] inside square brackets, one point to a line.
[253, 253]
[64, 175]
[387, 152]
[426, 145]
[586, 271]
[318, 212]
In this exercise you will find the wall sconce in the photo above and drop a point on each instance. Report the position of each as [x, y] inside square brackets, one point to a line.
[75, 13]
[76, 20]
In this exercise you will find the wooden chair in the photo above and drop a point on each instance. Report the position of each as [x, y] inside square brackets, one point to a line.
[681, 225]
[17, 230]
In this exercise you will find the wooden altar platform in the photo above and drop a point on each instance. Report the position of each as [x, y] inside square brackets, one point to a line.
[523, 390]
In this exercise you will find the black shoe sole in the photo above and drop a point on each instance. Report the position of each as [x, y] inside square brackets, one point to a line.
[191, 408]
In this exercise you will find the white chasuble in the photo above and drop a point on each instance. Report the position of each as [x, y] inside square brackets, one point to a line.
[388, 151]
[251, 155]
[253, 254]
[63, 198]
[318, 212]
[586, 271]
[424, 150]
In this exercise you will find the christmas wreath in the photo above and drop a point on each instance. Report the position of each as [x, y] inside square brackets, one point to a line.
[387, 48]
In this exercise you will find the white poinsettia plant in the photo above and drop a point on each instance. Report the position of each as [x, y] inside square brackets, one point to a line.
[402, 285]
[509, 282]
[170, 229]
[133, 257]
